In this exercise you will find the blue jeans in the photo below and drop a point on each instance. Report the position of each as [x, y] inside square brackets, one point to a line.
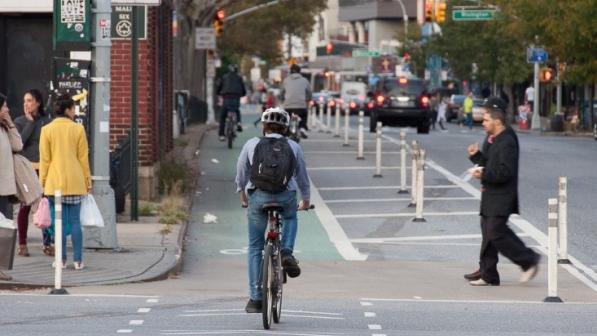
[71, 217]
[258, 225]
[468, 121]
[230, 105]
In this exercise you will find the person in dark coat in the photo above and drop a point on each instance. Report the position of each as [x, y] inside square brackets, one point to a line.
[232, 89]
[498, 173]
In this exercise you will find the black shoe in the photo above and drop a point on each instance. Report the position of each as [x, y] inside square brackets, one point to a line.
[476, 275]
[253, 306]
[303, 134]
[290, 265]
[239, 128]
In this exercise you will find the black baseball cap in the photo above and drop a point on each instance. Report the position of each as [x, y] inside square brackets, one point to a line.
[496, 103]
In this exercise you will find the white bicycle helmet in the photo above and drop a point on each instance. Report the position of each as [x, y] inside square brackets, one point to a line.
[275, 115]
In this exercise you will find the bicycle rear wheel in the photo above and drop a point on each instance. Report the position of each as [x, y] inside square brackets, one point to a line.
[267, 287]
[278, 285]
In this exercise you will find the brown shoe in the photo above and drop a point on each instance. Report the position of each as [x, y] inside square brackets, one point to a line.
[48, 250]
[23, 251]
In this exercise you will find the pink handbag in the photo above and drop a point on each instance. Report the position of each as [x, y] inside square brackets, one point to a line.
[41, 218]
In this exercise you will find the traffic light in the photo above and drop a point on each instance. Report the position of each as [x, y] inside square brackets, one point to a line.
[329, 48]
[429, 10]
[546, 75]
[440, 11]
[219, 22]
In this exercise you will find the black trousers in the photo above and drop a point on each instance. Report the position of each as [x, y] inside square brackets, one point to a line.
[6, 207]
[498, 237]
[301, 113]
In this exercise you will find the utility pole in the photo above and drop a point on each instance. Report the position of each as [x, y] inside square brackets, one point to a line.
[536, 121]
[100, 99]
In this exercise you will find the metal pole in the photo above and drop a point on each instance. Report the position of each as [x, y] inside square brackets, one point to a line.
[312, 112]
[250, 10]
[413, 175]
[58, 244]
[536, 121]
[346, 125]
[360, 155]
[559, 88]
[402, 163]
[552, 253]
[328, 122]
[404, 18]
[105, 237]
[563, 220]
[420, 186]
[337, 120]
[378, 151]
[134, 117]
[320, 117]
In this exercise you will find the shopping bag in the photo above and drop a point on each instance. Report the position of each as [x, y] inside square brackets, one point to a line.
[90, 214]
[41, 217]
[8, 238]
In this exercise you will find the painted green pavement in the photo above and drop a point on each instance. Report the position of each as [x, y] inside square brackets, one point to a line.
[216, 195]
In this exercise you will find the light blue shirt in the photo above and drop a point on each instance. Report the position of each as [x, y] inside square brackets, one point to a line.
[299, 181]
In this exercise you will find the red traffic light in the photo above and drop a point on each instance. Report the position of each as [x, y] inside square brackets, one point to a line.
[220, 14]
[546, 74]
[329, 48]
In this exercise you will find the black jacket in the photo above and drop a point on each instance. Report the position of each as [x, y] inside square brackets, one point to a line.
[499, 193]
[30, 132]
[231, 86]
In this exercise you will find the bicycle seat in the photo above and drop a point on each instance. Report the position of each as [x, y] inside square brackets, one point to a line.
[272, 207]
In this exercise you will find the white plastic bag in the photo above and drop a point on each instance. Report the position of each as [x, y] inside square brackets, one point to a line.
[90, 214]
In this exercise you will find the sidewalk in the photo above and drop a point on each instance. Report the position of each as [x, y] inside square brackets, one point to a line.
[144, 254]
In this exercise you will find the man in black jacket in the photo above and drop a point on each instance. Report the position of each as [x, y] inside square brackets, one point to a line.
[232, 89]
[498, 172]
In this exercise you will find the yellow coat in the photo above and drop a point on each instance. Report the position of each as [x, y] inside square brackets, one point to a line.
[64, 158]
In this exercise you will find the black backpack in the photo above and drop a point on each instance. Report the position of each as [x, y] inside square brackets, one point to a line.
[273, 164]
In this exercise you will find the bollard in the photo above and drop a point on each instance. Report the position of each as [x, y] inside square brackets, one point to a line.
[402, 163]
[337, 115]
[58, 290]
[552, 252]
[360, 155]
[378, 152]
[328, 122]
[320, 117]
[312, 112]
[563, 220]
[413, 175]
[346, 125]
[420, 185]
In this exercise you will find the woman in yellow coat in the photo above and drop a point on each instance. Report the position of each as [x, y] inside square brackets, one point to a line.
[64, 166]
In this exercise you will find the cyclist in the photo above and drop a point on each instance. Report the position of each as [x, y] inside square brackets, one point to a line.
[231, 88]
[259, 184]
[296, 92]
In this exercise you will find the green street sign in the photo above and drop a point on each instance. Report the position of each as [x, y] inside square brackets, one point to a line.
[365, 53]
[122, 26]
[473, 14]
[72, 21]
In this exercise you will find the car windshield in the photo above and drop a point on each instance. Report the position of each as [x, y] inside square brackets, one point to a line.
[397, 87]
[458, 99]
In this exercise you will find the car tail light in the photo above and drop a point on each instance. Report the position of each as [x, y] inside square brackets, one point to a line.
[353, 105]
[321, 99]
[425, 101]
[370, 105]
[380, 100]
[403, 80]
[311, 103]
[332, 103]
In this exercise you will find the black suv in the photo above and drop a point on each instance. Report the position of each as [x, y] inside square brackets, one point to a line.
[401, 101]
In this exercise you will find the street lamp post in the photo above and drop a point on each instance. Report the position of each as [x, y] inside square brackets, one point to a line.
[404, 18]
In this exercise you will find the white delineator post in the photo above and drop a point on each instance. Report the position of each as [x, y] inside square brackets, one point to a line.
[563, 220]
[346, 125]
[360, 155]
[402, 163]
[320, 116]
[328, 121]
[413, 175]
[312, 112]
[552, 252]
[58, 244]
[420, 186]
[337, 120]
[378, 151]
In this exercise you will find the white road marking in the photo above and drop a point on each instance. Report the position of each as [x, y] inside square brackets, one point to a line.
[243, 332]
[212, 310]
[366, 304]
[451, 186]
[379, 200]
[316, 317]
[420, 238]
[335, 233]
[311, 312]
[374, 327]
[389, 215]
[152, 301]
[474, 301]
[378, 334]
[211, 314]
[143, 310]
[369, 314]
[136, 322]
[78, 295]
[124, 331]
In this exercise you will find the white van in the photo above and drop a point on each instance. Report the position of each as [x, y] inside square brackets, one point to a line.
[355, 92]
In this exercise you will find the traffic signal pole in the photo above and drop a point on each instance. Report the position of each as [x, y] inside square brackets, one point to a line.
[536, 121]
[100, 99]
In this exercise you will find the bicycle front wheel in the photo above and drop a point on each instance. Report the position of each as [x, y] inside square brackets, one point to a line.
[267, 293]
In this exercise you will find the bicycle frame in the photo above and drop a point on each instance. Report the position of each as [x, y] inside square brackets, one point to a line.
[272, 275]
[230, 129]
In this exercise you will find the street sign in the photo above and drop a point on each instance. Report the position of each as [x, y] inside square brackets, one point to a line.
[365, 53]
[536, 55]
[122, 22]
[473, 14]
[205, 38]
[72, 21]
[137, 2]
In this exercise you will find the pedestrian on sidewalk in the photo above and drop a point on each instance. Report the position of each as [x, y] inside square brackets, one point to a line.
[29, 126]
[64, 166]
[467, 109]
[441, 113]
[10, 141]
[296, 93]
[498, 174]
[271, 169]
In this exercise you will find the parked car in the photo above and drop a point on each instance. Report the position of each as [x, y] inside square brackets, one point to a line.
[401, 101]
[478, 109]
[454, 109]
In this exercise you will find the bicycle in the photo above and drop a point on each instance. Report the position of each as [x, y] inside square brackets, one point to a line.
[230, 128]
[272, 274]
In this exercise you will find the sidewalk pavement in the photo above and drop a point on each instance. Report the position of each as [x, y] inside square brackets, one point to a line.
[144, 254]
